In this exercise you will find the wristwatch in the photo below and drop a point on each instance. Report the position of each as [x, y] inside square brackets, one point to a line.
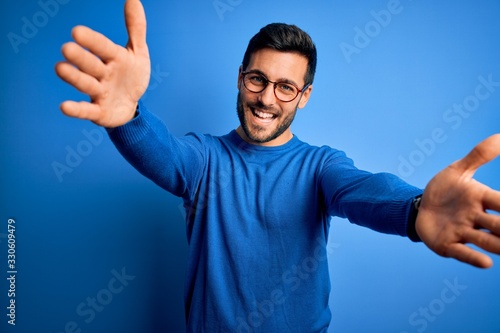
[412, 218]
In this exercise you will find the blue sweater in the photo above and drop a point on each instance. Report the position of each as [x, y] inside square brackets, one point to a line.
[258, 220]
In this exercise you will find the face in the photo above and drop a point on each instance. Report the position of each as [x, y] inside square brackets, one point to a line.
[264, 119]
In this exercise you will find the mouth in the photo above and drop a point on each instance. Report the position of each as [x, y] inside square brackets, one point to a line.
[262, 116]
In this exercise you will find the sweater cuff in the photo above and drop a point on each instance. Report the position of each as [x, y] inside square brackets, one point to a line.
[133, 131]
[412, 218]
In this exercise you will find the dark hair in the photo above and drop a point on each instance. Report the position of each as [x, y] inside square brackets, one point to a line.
[285, 38]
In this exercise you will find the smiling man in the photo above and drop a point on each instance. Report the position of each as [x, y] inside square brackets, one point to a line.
[259, 200]
[266, 108]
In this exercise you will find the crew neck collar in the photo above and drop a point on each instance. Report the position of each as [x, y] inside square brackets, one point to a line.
[236, 139]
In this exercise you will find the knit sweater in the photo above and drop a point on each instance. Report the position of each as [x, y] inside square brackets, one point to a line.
[258, 219]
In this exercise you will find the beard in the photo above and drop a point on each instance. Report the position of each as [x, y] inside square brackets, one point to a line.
[257, 134]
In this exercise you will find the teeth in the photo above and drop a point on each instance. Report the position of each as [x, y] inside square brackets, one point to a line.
[264, 114]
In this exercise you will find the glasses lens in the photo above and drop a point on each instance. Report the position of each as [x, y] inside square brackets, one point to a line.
[285, 91]
[255, 82]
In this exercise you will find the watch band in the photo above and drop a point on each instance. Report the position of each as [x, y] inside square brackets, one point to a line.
[412, 218]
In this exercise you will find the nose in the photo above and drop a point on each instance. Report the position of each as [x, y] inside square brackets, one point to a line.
[267, 97]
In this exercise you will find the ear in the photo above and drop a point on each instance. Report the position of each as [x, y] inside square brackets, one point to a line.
[305, 97]
[240, 70]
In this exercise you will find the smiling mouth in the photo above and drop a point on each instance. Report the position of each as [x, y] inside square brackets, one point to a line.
[265, 117]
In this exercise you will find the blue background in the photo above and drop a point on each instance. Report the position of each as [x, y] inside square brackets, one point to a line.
[74, 229]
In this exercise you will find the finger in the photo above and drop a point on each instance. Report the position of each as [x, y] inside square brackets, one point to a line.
[492, 200]
[95, 42]
[489, 222]
[81, 81]
[135, 21]
[465, 254]
[484, 152]
[84, 60]
[82, 110]
[485, 240]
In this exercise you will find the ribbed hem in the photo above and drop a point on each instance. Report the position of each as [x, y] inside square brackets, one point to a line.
[133, 131]
[402, 211]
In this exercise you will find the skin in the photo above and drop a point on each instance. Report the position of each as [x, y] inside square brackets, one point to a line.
[454, 206]
[453, 209]
[277, 66]
[114, 77]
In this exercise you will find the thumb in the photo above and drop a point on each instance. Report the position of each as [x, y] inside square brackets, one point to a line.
[481, 154]
[135, 21]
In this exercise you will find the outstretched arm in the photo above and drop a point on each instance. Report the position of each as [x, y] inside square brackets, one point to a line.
[114, 77]
[454, 209]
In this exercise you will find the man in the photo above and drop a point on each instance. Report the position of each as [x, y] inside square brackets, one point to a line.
[258, 200]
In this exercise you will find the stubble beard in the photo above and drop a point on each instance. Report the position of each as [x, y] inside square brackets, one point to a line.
[258, 135]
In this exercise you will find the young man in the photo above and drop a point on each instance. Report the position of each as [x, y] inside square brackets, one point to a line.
[258, 200]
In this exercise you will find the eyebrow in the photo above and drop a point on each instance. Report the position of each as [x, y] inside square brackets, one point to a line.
[281, 80]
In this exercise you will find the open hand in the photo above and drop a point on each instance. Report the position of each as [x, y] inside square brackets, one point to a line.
[114, 77]
[454, 207]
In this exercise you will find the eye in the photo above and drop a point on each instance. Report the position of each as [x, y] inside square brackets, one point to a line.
[256, 79]
[286, 88]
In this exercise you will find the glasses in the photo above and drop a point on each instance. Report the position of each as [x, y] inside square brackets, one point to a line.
[284, 91]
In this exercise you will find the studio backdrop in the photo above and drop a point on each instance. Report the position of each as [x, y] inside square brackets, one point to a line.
[89, 245]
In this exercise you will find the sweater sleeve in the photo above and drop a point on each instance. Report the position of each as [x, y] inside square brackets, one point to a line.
[175, 164]
[379, 201]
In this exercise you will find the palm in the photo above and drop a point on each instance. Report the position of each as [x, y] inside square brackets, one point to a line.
[453, 210]
[114, 77]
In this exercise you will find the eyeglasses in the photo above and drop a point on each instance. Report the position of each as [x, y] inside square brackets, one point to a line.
[284, 91]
